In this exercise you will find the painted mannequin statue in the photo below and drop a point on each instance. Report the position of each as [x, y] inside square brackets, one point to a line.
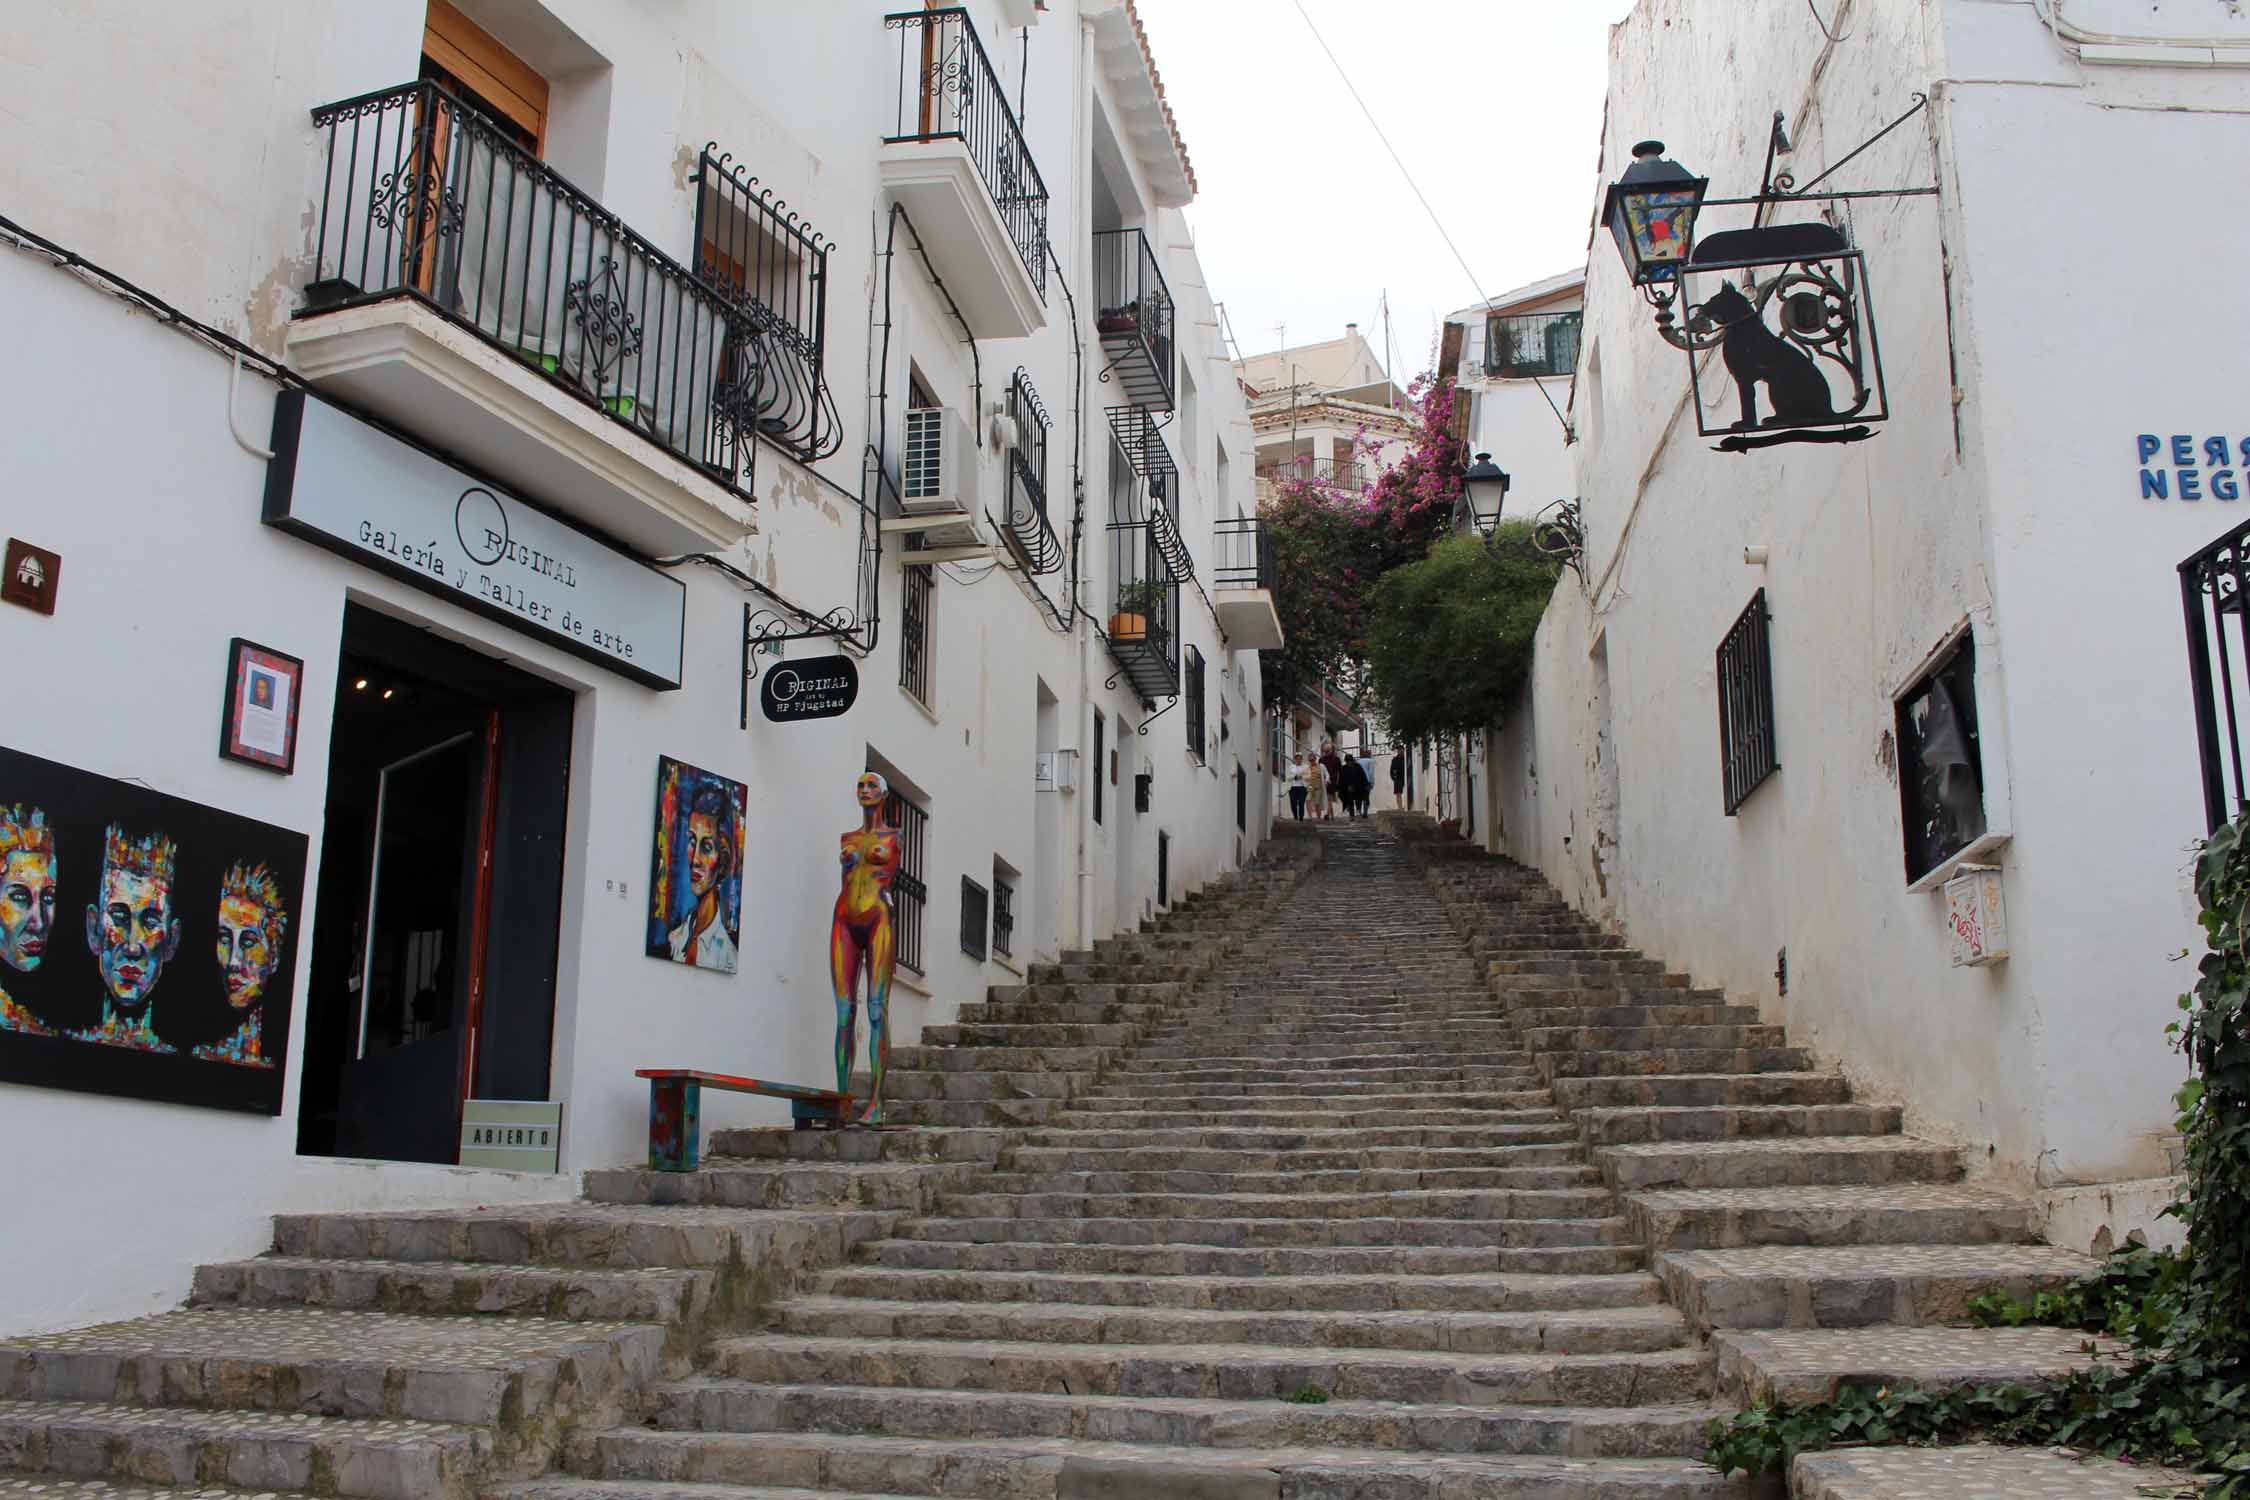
[864, 941]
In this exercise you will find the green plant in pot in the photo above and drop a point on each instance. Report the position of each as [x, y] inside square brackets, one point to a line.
[1139, 600]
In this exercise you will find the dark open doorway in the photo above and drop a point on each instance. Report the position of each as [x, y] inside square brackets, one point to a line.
[440, 885]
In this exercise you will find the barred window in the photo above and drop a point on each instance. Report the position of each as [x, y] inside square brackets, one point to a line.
[1241, 799]
[910, 891]
[975, 916]
[1195, 720]
[1746, 739]
[1099, 770]
[1163, 868]
[1003, 912]
[916, 594]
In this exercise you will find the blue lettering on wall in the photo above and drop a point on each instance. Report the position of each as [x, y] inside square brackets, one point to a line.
[2184, 466]
[2154, 484]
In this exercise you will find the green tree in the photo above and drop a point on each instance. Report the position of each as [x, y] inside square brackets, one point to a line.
[1449, 638]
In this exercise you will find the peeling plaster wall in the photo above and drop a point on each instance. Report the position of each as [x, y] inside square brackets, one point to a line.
[191, 168]
[2020, 517]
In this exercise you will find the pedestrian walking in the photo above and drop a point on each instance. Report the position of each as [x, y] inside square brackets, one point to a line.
[1398, 776]
[1332, 772]
[1366, 782]
[1298, 790]
[1355, 789]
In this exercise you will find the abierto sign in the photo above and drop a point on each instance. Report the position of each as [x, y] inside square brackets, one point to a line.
[352, 488]
[820, 687]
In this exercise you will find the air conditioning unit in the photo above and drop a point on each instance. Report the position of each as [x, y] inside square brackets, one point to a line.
[938, 470]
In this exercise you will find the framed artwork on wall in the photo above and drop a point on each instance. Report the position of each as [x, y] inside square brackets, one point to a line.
[258, 725]
[148, 944]
[695, 869]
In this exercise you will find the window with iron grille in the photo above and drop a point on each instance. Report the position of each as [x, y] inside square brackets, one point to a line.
[976, 913]
[1163, 868]
[916, 593]
[1531, 344]
[1195, 721]
[1241, 800]
[1003, 912]
[910, 891]
[1746, 739]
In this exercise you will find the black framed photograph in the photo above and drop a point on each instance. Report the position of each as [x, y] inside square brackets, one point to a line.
[148, 944]
[259, 724]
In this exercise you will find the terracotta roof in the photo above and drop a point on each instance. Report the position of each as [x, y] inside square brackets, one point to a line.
[1140, 33]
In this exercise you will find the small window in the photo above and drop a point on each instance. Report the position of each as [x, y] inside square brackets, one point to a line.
[1163, 868]
[910, 891]
[1746, 737]
[1241, 799]
[1940, 765]
[976, 914]
[1003, 911]
[1195, 720]
[1103, 775]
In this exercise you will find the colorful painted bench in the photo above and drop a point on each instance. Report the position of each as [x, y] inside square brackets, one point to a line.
[675, 1110]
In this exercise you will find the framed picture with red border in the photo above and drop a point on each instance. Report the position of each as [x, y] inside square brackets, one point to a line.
[259, 724]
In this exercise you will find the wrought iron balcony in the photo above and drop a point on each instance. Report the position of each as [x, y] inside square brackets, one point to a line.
[1242, 578]
[1531, 344]
[425, 199]
[773, 268]
[1245, 555]
[949, 94]
[1347, 475]
[1133, 315]
[1029, 533]
[1144, 629]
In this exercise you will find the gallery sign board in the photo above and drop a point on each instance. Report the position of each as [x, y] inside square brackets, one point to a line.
[516, 1135]
[820, 687]
[352, 488]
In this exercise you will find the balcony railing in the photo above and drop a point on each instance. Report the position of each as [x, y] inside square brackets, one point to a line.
[1029, 532]
[1527, 344]
[1245, 555]
[1355, 477]
[947, 90]
[1133, 314]
[773, 267]
[1144, 628]
[424, 198]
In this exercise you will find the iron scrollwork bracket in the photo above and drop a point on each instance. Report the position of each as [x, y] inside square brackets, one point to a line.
[1169, 704]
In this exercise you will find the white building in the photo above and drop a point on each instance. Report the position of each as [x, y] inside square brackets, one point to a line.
[1518, 354]
[1972, 620]
[582, 429]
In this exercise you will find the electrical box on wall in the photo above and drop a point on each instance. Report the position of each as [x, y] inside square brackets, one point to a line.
[1057, 771]
[1976, 916]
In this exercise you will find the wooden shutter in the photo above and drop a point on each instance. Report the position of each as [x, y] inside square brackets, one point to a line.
[497, 79]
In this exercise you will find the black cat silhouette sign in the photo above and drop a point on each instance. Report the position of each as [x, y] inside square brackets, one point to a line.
[1788, 308]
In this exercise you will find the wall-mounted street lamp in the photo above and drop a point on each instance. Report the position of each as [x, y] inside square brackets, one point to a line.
[1651, 213]
[1797, 335]
[1484, 489]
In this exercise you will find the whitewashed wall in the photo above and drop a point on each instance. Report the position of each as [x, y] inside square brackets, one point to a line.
[189, 169]
[2027, 525]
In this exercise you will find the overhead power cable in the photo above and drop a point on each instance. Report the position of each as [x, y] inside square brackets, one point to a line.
[1420, 196]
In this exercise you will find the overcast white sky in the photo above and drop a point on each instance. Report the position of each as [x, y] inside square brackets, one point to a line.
[1300, 216]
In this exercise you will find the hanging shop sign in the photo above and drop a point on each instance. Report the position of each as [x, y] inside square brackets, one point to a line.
[820, 687]
[352, 488]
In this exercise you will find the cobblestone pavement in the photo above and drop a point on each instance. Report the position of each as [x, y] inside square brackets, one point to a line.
[1979, 1473]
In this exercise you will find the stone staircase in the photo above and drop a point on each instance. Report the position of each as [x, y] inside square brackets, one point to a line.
[1798, 1230]
[1373, 1173]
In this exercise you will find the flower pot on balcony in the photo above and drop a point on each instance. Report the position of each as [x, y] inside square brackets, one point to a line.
[1128, 627]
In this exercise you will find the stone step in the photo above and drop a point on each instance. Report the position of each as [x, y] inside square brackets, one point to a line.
[1308, 1162]
[973, 1113]
[1642, 1040]
[1337, 1084]
[1810, 1364]
[1701, 1090]
[1627, 1125]
[907, 1087]
[256, 1450]
[981, 1034]
[1458, 1292]
[584, 1234]
[781, 1143]
[1627, 1330]
[705, 1466]
[433, 1288]
[1522, 1205]
[1803, 1161]
[1854, 1286]
[908, 1187]
[1298, 1180]
[1727, 1218]
[64, 1487]
[1155, 1259]
[1312, 1111]
[921, 1059]
[353, 1365]
[1234, 1372]
[1640, 1064]
[1577, 1432]
[1543, 1128]
[1627, 1016]
[1979, 1470]
[1275, 1233]
[1391, 1057]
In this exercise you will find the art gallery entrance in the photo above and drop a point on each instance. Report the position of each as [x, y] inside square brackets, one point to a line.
[433, 962]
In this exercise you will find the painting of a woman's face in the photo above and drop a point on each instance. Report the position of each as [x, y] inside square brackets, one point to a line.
[707, 854]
